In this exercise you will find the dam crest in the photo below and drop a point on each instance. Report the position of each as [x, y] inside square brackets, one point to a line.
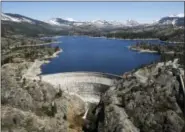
[86, 85]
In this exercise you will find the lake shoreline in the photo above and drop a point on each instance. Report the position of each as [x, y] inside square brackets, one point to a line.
[105, 37]
[134, 39]
[142, 50]
[34, 70]
[139, 39]
[175, 42]
[100, 51]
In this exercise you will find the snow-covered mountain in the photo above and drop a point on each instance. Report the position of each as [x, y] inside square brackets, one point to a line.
[19, 24]
[59, 22]
[19, 19]
[95, 23]
[104, 23]
[100, 23]
[116, 23]
[15, 18]
[177, 20]
[131, 22]
[70, 19]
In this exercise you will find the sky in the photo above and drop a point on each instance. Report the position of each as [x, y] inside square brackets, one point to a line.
[143, 12]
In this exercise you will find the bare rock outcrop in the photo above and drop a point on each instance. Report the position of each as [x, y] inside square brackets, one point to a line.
[33, 105]
[151, 105]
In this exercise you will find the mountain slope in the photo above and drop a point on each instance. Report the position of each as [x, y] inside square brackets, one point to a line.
[11, 17]
[59, 22]
[95, 23]
[19, 24]
[177, 20]
[19, 18]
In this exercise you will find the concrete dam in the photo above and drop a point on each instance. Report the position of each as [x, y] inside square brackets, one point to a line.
[86, 85]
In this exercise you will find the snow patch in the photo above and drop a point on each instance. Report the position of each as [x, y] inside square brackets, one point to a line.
[70, 19]
[9, 18]
[53, 21]
[174, 22]
[5, 17]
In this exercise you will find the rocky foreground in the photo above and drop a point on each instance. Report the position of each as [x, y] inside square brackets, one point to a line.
[35, 106]
[148, 100]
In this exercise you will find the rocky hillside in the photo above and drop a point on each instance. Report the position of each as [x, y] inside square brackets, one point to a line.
[28, 105]
[147, 100]
[168, 51]
[174, 20]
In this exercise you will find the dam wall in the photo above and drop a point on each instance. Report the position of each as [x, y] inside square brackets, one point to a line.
[87, 85]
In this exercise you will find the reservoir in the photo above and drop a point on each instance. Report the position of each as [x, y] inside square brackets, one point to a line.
[83, 53]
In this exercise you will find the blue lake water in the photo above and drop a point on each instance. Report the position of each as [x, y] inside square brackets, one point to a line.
[82, 53]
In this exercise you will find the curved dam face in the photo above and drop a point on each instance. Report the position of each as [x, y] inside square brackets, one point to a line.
[86, 85]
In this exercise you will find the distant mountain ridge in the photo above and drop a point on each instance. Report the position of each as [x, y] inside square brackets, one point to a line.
[177, 20]
[97, 23]
[16, 23]
[58, 22]
[19, 18]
